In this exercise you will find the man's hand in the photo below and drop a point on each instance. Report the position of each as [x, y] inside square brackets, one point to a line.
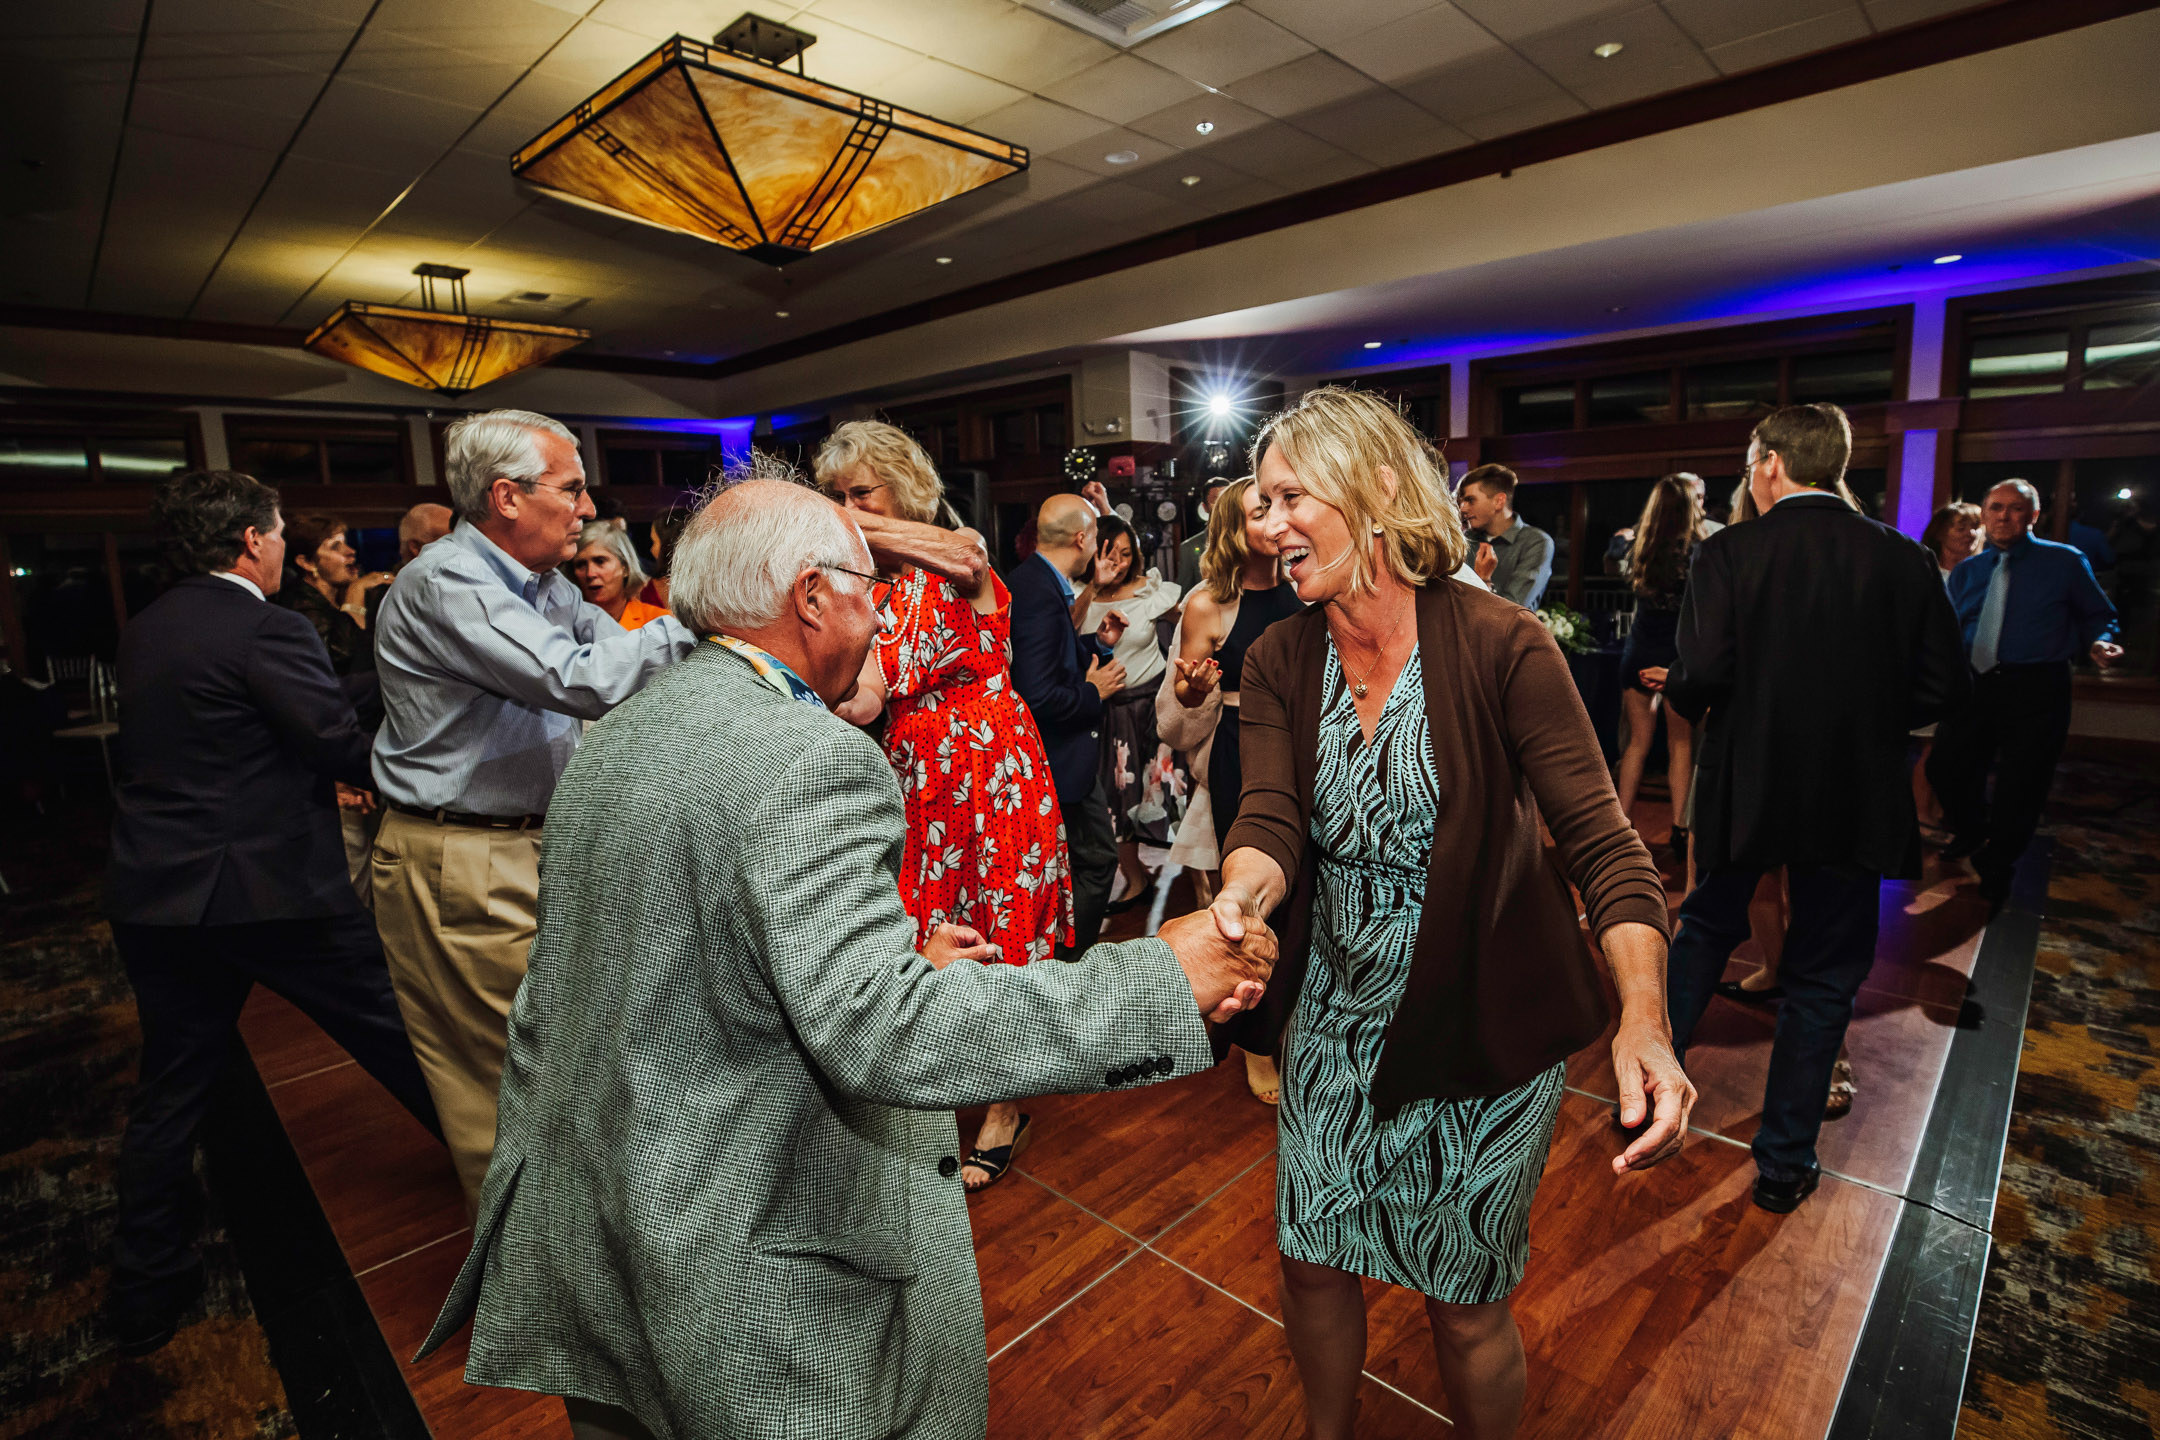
[1643, 1059]
[1094, 493]
[948, 943]
[350, 797]
[1108, 677]
[1487, 561]
[1112, 628]
[1226, 977]
[2106, 653]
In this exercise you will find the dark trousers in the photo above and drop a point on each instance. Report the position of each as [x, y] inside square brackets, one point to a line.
[1091, 842]
[2015, 725]
[1828, 950]
[190, 982]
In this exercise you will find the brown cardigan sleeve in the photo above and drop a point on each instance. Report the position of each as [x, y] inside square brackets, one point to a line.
[1270, 816]
[1559, 754]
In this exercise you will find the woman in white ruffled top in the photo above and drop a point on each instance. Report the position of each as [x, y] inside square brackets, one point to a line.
[1142, 776]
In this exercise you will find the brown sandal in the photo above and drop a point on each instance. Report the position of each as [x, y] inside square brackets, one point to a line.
[1840, 1102]
[1269, 1095]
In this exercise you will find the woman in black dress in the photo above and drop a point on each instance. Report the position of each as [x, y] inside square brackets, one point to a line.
[1666, 537]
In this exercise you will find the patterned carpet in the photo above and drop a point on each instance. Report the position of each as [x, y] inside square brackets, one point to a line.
[67, 1059]
[2070, 1320]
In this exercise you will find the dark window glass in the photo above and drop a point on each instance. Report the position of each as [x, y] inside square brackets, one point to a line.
[2028, 364]
[1737, 390]
[377, 547]
[686, 469]
[1546, 508]
[66, 601]
[2122, 355]
[144, 575]
[1051, 434]
[278, 462]
[363, 462]
[1425, 415]
[1871, 487]
[1972, 479]
[2116, 518]
[44, 460]
[630, 467]
[141, 458]
[1631, 399]
[1012, 431]
[1849, 377]
[1529, 408]
[1615, 505]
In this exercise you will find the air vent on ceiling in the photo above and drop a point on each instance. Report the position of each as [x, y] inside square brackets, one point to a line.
[552, 302]
[1124, 22]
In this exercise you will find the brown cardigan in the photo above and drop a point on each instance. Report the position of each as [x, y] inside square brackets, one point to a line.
[1501, 985]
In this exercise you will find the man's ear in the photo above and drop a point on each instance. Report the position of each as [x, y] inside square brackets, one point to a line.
[812, 595]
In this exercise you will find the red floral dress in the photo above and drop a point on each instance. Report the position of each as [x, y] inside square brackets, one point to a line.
[985, 842]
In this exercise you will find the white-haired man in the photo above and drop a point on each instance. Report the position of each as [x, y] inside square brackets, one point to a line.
[726, 1198]
[490, 662]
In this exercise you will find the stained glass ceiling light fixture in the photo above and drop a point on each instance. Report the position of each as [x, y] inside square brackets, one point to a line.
[719, 142]
[446, 351]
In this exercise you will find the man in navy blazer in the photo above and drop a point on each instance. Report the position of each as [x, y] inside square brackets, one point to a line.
[1065, 677]
[228, 866]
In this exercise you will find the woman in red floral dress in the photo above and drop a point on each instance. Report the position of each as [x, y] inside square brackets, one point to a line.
[985, 843]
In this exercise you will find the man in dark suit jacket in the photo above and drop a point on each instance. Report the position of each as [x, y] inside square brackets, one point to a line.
[1816, 639]
[227, 864]
[1065, 677]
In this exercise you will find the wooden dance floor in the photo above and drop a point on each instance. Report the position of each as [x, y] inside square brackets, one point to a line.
[1129, 1265]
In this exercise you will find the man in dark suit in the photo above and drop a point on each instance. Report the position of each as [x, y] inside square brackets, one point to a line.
[227, 865]
[1815, 639]
[1064, 677]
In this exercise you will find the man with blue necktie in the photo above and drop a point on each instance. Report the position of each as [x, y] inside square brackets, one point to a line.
[2028, 606]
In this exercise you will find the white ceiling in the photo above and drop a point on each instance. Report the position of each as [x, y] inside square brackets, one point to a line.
[280, 156]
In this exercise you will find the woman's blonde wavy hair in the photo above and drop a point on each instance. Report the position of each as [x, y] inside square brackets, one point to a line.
[892, 455]
[1339, 441]
[1222, 559]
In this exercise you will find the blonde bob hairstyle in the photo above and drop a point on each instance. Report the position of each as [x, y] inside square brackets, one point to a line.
[1344, 446]
[1222, 557]
[893, 457]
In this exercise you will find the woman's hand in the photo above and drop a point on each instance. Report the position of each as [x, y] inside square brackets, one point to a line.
[1195, 679]
[948, 943]
[1112, 628]
[1650, 1080]
[1653, 679]
[1252, 884]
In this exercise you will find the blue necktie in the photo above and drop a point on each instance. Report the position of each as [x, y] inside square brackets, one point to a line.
[1987, 636]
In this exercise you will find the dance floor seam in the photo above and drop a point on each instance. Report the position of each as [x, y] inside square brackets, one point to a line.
[417, 1249]
[310, 1075]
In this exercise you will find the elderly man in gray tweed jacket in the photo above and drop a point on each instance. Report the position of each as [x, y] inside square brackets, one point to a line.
[725, 1199]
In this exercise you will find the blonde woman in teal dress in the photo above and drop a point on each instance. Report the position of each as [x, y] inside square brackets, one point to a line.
[1402, 739]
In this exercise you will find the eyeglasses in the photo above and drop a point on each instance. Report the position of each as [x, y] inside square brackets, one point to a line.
[859, 493]
[1747, 471]
[881, 589]
[575, 489]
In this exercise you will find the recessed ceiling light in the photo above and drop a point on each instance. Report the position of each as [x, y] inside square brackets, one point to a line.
[1948, 259]
[1205, 127]
[781, 313]
[1122, 157]
[1609, 49]
[1614, 309]
[1372, 344]
[1190, 180]
[944, 259]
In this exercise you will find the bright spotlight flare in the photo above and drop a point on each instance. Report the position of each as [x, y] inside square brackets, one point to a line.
[1219, 405]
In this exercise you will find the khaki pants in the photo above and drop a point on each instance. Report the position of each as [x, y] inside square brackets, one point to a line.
[457, 906]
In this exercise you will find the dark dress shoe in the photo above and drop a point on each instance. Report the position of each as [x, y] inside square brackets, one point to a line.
[1734, 990]
[145, 1318]
[1139, 897]
[1963, 847]
[1995, 890]
[1782, 1197]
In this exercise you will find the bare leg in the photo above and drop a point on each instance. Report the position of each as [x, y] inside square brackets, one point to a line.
[1635, 750]
[1262, 1078]
[1767, 915]
[1679, 757]
[1481, 1363]
[1128, 859]
[1923, 794]
[1324, 1311]
[999, 1123]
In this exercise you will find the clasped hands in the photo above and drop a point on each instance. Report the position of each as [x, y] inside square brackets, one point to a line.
[1228, 973]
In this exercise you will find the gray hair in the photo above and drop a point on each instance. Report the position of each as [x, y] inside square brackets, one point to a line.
[2023, 487]
[494, 445]
[741, 553]
[613, 537]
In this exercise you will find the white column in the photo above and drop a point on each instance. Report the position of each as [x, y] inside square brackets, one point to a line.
[1458, 405]
[420, 438]
[1923, 381]
[217, 455]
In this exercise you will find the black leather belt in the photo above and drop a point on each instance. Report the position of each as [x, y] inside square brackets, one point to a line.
[482, 822]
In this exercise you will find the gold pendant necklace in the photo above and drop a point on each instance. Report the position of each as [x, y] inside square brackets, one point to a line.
[1358, 687]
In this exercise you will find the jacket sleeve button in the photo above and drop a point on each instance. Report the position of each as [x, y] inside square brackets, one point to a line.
[948, 1167]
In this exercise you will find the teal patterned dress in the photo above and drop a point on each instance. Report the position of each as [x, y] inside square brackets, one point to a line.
[1437, 1196]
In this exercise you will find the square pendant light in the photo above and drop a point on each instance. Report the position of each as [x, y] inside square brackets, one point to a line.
[448, 352]
[721, 143]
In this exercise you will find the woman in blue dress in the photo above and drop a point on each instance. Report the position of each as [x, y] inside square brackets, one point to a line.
[1402, 739]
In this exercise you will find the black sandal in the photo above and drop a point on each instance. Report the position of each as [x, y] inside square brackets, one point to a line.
[995, 1163]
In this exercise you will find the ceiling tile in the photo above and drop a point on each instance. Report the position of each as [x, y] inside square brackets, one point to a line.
[1656, 57]
[699, 19]
[1327, 23]
[1122, 89]
[176, 112]
[991, 37]
[1721, 22]
[1499, 79]
[1383, 128]
[436, 73]
[362, 124]
[1890, 14]
[1089, 154]
[854, 60]
[456, 24]
[1317, 79]
[946, 92]
[1041, 125]
[1284, 153]
[1226, 45]
[1175, 125]
[1514, 119]
[1804, 38]
[1519, 19]
[1417, 45]
[1219, 188]
[591, 56]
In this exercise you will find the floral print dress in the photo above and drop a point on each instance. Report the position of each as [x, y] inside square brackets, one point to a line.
[985, 842]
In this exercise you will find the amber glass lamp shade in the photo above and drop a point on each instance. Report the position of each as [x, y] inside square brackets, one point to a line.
[713, 144]
[448, 353]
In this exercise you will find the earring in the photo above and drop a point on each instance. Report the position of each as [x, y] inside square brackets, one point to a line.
[1379, 530]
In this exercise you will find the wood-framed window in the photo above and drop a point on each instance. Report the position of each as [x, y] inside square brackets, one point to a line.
[45, 447]
[319, 450]
[675, 459]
